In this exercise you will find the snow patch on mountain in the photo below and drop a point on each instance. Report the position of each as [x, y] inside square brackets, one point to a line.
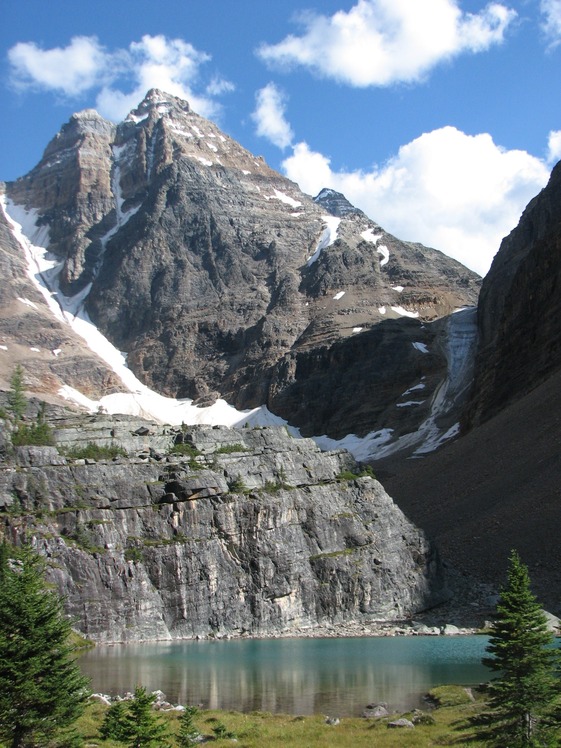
[327, 238]
[403, 312]
[369, 236]
[420, 386]
[284, 199]
[384, 251]
[27, 302]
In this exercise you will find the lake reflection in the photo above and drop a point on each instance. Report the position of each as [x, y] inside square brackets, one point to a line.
[294, 676]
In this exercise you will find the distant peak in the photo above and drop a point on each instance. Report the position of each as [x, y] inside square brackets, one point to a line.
[335, 203]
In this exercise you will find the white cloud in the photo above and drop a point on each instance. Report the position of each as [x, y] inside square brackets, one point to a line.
[70, 70]
[219, 86]
[551, 12]
[458, 193]
[122, 77]
[380, 42]
[269, 116]
[554, 147]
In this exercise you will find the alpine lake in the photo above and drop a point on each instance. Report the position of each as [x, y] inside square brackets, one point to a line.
[305, 676]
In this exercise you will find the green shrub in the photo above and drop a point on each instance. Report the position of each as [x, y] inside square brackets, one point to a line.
[184, 448]
[221, 732]
[133, 554]
[93, 451]
[366, 472]
[271, 487]
[237, 485]
[226, 449]
[37, 434]
[82, 537]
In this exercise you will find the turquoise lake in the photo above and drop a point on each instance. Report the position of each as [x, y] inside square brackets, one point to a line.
[294, 676]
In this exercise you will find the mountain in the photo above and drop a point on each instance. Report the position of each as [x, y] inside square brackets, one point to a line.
[497, 487]
[221, 284]
[219, 278]
[519, 311]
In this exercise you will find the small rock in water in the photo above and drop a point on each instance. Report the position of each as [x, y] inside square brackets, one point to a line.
[373, 711]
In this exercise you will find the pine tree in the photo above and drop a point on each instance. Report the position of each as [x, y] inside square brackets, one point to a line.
[16, 394]
[114, 723]
[41, 688]
[188, 735]
[521, 652]
[142, 727]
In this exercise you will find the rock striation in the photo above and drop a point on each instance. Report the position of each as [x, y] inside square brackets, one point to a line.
[249, 532]
[519, 312]
[218, 277]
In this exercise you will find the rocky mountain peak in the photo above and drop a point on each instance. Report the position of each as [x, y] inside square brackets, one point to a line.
[158, 103]
[86, 125]
[335, 203]
[217, 276]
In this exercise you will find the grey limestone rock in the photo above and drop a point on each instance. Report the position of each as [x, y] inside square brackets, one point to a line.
[147, 549]
[402, 723]
[519, 309]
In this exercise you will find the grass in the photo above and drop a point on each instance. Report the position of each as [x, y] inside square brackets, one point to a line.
[77, 641]
[226, 449]
[258, 729]
[366, 472]
[450, 696]
[93, 451]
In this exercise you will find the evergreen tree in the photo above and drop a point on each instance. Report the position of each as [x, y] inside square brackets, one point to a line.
[41, 688]
[16, 394]
[114, 726]
[188, 735]
[142, 727]
[521, 652]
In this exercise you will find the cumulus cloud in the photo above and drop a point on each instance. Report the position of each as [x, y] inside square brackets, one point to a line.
[554, 147]
[458, 193]
[380, 42]
[551, 14]
[122, 77]
[269, 116]
[70, 70]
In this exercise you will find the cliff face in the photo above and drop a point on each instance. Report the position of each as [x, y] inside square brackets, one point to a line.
[218, 277]
[50, 352]
[519, 312]
[258, 533]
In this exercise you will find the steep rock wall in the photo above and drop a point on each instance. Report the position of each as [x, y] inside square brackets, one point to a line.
[519, 312]
[258, 533]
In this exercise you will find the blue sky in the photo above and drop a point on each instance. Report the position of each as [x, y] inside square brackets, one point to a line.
[441, 119]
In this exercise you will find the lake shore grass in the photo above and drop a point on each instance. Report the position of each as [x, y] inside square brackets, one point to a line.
[445, 725]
